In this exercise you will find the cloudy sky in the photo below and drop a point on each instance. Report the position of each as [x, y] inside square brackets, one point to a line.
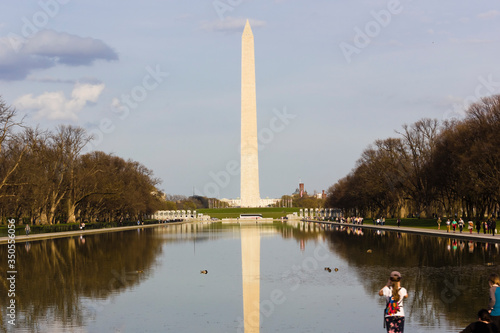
[159, 81]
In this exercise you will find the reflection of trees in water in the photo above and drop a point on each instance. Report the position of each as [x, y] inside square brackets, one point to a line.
[445, 278]
[304, 231]
[54, 276]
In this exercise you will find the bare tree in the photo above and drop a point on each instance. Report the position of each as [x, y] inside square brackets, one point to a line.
[12, 146]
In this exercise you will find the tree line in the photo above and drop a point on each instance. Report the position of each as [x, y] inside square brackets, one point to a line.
[431, 168]
[45, 177]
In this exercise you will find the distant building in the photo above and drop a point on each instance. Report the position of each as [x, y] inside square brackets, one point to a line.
[262, 202]
[300, 191]
[321, 195]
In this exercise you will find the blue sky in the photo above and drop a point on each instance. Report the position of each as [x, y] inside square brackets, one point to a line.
[159, 81]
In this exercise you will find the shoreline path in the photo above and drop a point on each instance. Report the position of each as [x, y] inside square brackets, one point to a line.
[62, 234]
[465, 235]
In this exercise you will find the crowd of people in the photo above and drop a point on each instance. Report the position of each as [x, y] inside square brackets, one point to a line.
[488, 319]
[350, 219]
[487, 226]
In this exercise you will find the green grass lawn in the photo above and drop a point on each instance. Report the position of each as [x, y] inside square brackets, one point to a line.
[276, 213]
[222, 213]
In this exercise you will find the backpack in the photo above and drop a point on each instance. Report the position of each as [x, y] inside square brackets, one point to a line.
[392, 307]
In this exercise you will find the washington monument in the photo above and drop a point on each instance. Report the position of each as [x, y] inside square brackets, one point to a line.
[250, 195]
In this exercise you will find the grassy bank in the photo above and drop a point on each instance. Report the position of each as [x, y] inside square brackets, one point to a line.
[223, 213]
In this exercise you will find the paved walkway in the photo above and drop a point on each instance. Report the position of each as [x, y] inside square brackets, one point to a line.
[62, 234]
[465, 235]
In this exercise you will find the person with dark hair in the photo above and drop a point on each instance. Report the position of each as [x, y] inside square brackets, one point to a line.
[394, 315]
[494, 298]
[482, 325]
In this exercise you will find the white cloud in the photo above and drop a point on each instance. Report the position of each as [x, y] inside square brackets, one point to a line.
[118, 107]
[115, 103]
[489, 14]
[55, 105]
[231, 24]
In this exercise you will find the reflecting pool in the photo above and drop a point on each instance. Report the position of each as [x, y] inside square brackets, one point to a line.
[259, 278]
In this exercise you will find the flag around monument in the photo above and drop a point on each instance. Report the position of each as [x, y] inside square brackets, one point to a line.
[250, 195]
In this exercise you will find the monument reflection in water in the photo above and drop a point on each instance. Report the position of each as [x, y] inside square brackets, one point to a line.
[250, 271]
[149, 280]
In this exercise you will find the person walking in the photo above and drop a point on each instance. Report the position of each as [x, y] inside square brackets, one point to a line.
[439, 222]
[494, 298]
[493, 226]
[478, 226]
[398, 222]
[471, 226]
[394, 315]
[448, 223]
[454, 224]
[461, 225]
[27, 229]
[483, 324]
